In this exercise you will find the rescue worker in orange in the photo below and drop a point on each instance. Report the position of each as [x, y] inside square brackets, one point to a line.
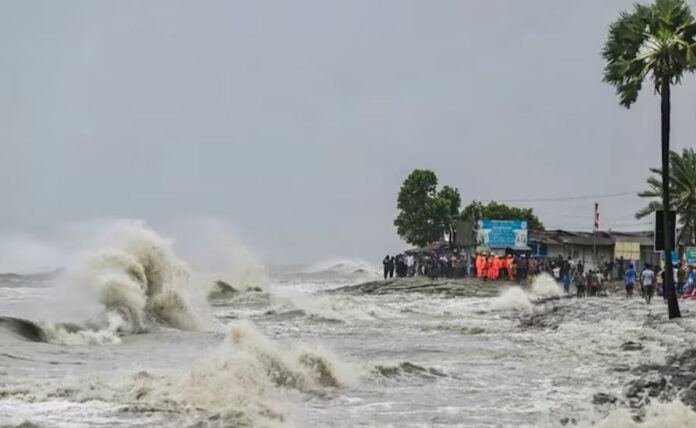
[492, 268]
[479, 265]
[508, 264]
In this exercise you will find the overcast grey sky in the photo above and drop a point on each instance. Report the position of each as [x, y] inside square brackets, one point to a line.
[297, 121]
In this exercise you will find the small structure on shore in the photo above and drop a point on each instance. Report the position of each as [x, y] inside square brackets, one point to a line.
[635, 246]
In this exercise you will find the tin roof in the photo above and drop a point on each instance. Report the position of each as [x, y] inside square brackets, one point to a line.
[564, 237]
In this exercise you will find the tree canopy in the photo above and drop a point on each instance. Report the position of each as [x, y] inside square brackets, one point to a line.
[657, 40]
[682, 182]
[424, 213]
[476, 211]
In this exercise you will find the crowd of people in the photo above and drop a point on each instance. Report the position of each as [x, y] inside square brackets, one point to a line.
[484, 265]
[519, 267]
[431, 265]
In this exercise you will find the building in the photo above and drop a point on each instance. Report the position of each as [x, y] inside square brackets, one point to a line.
[634, 246]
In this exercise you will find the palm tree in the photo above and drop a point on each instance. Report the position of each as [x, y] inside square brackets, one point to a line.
[657, 41]
[682, 187]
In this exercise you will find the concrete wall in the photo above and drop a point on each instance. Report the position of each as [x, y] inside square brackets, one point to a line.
[582, 253]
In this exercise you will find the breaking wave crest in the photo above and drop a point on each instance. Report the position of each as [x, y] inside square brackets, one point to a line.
[139, 280]
[243, 382]
[515, 298]
[133, 282]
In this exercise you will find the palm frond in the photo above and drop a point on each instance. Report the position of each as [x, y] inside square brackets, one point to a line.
[646, 211]
[657, 40]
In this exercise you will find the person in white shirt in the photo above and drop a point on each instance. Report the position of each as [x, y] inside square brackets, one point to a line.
[647, 278]
[410, 265]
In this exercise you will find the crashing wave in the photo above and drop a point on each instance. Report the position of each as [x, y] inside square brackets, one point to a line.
[224, 290]
[242, 383]
[141, 280]
[134, 283]
[515, 298]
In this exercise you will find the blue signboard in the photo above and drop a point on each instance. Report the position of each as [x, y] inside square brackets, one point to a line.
[674, 257]
[502, 234]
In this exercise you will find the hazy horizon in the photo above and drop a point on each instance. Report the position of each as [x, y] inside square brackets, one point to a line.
[295, 124]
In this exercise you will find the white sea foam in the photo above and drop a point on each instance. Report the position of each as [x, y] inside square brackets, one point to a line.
[247, 381]
[545, 287]
[327, 307]
[141, 278]
[514, 298]
[658, 415]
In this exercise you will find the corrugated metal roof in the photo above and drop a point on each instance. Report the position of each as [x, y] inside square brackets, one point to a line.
[564, 237]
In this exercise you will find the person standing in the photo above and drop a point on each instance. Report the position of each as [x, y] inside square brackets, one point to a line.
[392, 263]
[610, 269]
[630, 280]
[532, 268]
[508, 266]
[385, 263]
[523, 267]
[681, 280]
[690, 281]
[582, 285]
[648, 280]
[410, 265]
[480, 262]
[594, 283]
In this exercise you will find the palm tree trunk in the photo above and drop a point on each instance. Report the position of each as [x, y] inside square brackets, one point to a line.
[670, 290]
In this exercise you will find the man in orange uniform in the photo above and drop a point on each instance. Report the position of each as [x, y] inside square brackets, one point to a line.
[479, 265]
[492, 265]
[486, 267]
[508, 263]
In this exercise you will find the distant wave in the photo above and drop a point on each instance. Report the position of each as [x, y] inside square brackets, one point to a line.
[15, 279]
[407, 369]
[344, 266]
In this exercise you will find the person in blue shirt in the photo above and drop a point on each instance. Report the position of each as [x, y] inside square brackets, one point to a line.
[566, 284]
[630, 280]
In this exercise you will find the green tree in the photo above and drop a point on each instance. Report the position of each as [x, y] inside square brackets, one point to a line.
[656, 41]
[682, 187]
[447, 206]
[476, 211]
[424, 214]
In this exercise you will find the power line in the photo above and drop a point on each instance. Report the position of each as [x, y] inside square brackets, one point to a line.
[568, 198]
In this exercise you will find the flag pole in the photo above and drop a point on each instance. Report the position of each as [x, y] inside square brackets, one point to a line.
[594, 234]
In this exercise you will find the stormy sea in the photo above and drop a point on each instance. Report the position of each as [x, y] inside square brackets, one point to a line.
[131, 333]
